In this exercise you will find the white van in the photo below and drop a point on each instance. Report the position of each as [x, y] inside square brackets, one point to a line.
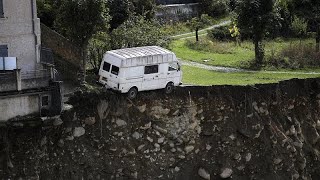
[140, 69]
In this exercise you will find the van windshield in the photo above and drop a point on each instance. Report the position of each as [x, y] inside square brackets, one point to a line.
[115, 70]
[173, 66]
[106, 66]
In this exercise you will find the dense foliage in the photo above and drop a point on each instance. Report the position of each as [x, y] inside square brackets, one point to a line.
[137, 31]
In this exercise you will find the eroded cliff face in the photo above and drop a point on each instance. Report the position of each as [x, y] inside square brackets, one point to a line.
[261, 132]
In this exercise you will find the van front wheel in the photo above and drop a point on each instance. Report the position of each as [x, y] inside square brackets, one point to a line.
[169, 88]
[132, 93]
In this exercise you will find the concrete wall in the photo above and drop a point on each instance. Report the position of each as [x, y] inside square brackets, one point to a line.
[18, 106]
[20, 30]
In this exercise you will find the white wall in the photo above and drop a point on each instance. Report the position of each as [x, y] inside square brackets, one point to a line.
[18, 106]
[21, 32]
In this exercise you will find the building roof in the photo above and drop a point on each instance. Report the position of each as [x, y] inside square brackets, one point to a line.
[129, 53]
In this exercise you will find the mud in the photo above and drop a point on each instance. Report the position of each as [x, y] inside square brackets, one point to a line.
[254, 132]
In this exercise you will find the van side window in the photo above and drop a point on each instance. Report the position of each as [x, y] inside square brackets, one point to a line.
[151, 69]
[106, 66]
[115, 70]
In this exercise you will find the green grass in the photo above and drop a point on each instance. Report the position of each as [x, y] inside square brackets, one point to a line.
[197, 76]
[233, 59]
[237, 56]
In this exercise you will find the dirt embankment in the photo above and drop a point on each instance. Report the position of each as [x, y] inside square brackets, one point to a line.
[260, 132]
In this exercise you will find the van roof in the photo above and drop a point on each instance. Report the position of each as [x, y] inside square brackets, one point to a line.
[129, 53]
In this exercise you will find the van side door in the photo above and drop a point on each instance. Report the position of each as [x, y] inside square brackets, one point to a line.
[151, 77]
[174, 73]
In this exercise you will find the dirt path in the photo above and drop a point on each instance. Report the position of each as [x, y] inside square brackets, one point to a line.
[228, 69]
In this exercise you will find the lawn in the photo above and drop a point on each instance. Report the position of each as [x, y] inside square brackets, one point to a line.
[197, 76]
[227, 53]
[233, 59]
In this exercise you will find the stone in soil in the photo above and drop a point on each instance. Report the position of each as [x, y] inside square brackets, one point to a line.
[79, 131]
[226, 173]
[90, 121]
[121, 122]
[203, 173]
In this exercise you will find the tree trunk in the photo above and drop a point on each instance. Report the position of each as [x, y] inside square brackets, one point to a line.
[197, 35]
[259, 51]
[84, 62]
[318, 38]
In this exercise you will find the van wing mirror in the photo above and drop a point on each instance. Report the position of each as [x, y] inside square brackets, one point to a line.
[179, 67]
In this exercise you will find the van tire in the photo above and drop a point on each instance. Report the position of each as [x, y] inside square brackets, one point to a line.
[132, 93]
[169, 88]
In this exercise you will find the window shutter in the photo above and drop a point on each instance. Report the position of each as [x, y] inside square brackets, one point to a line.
[1, 9]
[3, 50]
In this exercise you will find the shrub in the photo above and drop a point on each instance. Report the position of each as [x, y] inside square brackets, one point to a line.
[295, 56]
[221, 33]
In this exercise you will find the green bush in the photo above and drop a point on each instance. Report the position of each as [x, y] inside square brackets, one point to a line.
[221, 33]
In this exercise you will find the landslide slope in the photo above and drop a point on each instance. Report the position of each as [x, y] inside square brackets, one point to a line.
[254, 132]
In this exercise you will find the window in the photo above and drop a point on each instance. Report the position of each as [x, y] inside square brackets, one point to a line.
[3, 50]
[115, 70]
[106, 66]
[45, 101]
[173, 66]
[151, 69]
[1, 9]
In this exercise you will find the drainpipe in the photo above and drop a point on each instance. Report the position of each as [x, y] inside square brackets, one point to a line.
[34, 28]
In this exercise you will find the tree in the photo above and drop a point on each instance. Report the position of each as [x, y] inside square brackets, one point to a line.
[214, 7]
[144, 8]
[98, 45]
[137, 31]
[79, 20]
[197, 23]
[310, 10]
[299, 27]
[119, 12]
[253, 16]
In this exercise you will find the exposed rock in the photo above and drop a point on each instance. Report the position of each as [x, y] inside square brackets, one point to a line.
[208, 147]
[188, 149]
[79, 131]
[146, 126]
[121, 122]
[237, 157]
[142, 108]
[226, 173]
[204, 174]
[161, 130]
[161, 140]
[136, 135]
[43, 141]
[232, 137]
[61, 143]
[141, 147]
[57, 121]
[177, 169]
[277, 161]
[156, 145]
[248, 157]
[149, 139]
[90, 121]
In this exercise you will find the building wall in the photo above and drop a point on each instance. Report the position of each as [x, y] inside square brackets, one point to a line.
[18, 106]
[20, 30]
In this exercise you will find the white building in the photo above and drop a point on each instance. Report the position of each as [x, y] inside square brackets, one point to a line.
[25, 80]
